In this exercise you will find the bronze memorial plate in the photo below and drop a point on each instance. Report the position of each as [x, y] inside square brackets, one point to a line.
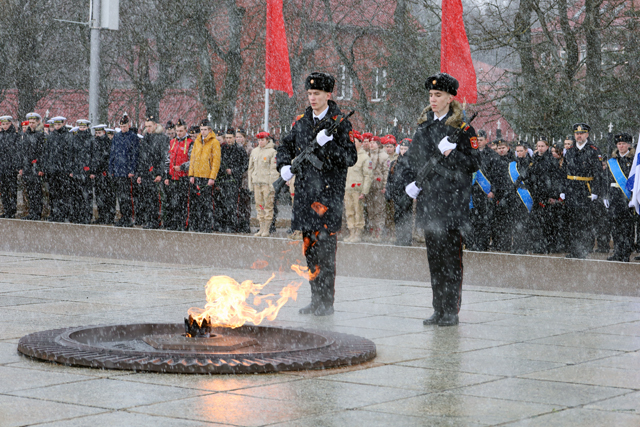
[161, 347]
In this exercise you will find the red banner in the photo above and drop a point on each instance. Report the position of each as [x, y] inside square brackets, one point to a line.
[278, 73]
[455, 54]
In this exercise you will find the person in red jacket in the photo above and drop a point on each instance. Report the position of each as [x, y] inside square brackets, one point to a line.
[177, 179]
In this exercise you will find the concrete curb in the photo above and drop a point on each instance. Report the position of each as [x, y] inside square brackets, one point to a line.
[365, 260]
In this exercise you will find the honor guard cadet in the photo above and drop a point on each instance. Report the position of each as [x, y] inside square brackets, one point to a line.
[357, 188]
[321, 137]
[55, 164]
[583, 186]
[9, 165]
[442, 159]
[102, 186]
[617, 202]
[32, 147]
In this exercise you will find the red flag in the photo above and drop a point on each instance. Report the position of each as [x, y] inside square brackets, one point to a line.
[455, 54]
[278, 73]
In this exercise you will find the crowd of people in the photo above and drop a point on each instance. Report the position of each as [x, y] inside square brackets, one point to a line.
[525, 199]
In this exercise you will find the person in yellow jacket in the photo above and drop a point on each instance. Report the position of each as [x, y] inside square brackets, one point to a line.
[357, 187]
[262, 174]
[203, 169]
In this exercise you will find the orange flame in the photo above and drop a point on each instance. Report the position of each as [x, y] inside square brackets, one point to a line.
[226, 302]
[304, 271]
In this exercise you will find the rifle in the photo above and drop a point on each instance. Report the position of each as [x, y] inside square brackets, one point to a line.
[426, 173]
[308, 155]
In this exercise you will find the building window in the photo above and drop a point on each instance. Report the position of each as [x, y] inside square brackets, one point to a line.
[345, 82]
[379, 85]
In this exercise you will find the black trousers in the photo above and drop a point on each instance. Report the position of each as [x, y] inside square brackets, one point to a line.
[541, 228]
[105, 198]
[444, 253]
[602, 226]
[59, 196]
[581, 229]
[124, 197]
[320, 252]
[244, 211]
[177, 204]
[503, 225]
[33, 185]
[520, 230]
[201, 206]
[147, 207]
[622, 229]
[81, 199]
[9, 192]
[225, 198]
[481, 218]
[403, 219]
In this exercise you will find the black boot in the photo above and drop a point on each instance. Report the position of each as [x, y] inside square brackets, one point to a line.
[433, 320]
[324, 309]
[448, 319]
[311, 308]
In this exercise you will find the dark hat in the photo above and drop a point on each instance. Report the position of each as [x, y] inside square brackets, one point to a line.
[241, 131]
[170, 125]
[405, 142]
[320, 81]
[195, 129]
[544, 138]
[230, 131]
[205, 122]
[124, 120]
[623, 137]
[180, 122]
[482, 133]
[442, 82]
[501, 142]
[150, 118]
[581, 128]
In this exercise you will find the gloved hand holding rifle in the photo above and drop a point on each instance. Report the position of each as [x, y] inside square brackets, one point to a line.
[432, 167]
[297, 165]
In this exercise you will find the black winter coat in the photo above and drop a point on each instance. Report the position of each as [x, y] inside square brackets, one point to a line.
[151, 154]
[444, 204]
[233, 157]
[101, 150]
[10, 159]
[584, 163]
[320, 189]
[541, 183]
[80, 152]
[31, 149]
[501, 180]
[488, 159]
[395, 183]
[57, 152]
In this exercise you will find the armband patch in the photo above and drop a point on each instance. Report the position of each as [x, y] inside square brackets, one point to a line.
[474, 142]
[351, 135]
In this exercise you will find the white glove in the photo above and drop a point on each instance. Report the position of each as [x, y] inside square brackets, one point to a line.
[323, 138]
[562, 196]
[594, 197]
[285, 173]
[398, 149]
[606, 203]
[412, 190]
[445, 145]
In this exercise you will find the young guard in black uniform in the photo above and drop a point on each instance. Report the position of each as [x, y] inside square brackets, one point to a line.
[319, 200]
[443, 197]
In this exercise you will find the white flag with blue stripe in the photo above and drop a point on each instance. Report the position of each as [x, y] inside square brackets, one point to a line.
[633, 183]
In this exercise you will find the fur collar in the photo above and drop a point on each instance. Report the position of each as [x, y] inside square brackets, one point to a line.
[454, 120]
[630, 153]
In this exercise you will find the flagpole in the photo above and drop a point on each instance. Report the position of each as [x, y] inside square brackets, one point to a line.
[266, 110]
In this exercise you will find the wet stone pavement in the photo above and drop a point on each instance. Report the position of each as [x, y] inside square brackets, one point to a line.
[518, 358]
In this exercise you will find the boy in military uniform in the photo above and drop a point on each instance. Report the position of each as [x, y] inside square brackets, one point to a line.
[262, 174]
[443, 206]
[319, 198]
